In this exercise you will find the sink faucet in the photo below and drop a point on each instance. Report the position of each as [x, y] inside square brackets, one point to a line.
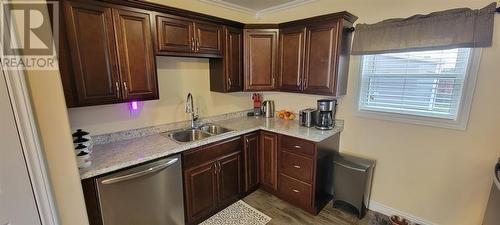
[190, 109]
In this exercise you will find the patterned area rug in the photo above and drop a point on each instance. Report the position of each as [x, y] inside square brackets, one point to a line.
[239, 213]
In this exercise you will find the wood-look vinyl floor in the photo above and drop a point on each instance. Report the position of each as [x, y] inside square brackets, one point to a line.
[283, 213]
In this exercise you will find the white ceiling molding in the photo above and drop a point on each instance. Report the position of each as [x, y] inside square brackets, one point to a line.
[258, 13]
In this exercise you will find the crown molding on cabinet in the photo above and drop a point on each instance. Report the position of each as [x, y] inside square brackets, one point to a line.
[258, 13]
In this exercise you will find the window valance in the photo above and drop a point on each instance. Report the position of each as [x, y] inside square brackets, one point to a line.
[455, 28]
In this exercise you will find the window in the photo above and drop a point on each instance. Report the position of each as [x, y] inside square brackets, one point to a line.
[423, 85]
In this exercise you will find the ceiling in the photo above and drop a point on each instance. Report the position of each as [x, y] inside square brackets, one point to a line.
[257, 7]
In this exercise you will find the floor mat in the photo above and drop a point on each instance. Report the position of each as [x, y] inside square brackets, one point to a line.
[239, 213]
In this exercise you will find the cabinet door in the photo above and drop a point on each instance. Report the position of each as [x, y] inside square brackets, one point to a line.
[208, 38]
[135, 54]
[230, 182]
[268, 160]
[174, 35]
[234, 59]
[93, 54]
[291, 58]
[200, 189]
[260, 49]
[251, 152]
[321, 59]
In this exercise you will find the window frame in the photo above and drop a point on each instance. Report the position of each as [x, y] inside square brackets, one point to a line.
[460, 123]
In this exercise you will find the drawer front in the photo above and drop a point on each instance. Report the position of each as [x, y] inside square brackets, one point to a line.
[295, 191]
[296, 166]
[297, 145]
[211, 152]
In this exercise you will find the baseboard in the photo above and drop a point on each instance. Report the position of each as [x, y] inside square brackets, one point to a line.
[388, 211]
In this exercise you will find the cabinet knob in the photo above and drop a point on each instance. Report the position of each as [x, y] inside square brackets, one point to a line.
[296, 166]
[229, 82]
[295, 190]
[192, 44]
[197, 45]
[297, 146]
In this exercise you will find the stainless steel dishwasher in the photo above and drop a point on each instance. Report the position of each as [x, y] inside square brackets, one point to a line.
[149, 194]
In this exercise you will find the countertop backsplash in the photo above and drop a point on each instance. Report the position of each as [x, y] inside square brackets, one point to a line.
[146, 131]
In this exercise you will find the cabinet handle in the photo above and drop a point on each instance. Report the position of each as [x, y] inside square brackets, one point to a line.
[297, 146]
[192, 44]
[273, 81]
[125, 89]
[296, 166]
[117, 90]
[295, 190]
[197, 45]
[229, 82]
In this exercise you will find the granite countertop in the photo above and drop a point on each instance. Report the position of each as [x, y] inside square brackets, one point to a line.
[120, 154]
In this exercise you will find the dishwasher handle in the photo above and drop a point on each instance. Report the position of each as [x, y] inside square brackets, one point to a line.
[140, 173]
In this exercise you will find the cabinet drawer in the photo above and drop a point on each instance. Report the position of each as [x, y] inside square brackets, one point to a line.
[296, 145]
[296, 166]
[211, 152]
[295, 191]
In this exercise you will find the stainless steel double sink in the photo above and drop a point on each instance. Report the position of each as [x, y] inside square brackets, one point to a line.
[194, 134]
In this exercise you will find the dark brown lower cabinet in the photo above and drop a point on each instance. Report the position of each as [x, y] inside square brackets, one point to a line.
[305, 171]
[200, 190]
[251, 155]
[268, 157]
[212, 178]
[230, 179]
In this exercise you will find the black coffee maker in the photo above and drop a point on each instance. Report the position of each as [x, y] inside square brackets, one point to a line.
[326, 114]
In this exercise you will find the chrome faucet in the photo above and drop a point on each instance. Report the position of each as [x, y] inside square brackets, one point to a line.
[190, 109]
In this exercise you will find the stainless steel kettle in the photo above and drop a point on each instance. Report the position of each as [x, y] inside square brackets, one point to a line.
[267, 108]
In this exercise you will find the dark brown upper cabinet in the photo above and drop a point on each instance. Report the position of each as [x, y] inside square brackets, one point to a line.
[226, 74]
[135, 54]
[178, 36]
[260, 55]
[320, 76]
[107, 51]
[291, 58]
[93, 54]
[174, 35]
[208, 38]
[314, 55]
[113, 63]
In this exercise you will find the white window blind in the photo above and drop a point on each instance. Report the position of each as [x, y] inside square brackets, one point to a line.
[424, 83]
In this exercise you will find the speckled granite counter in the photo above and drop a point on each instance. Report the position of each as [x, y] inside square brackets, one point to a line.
[147, 143]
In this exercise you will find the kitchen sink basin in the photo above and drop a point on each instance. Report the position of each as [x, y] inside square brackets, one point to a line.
[194, 134]
[214, 129]
[187, 135]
